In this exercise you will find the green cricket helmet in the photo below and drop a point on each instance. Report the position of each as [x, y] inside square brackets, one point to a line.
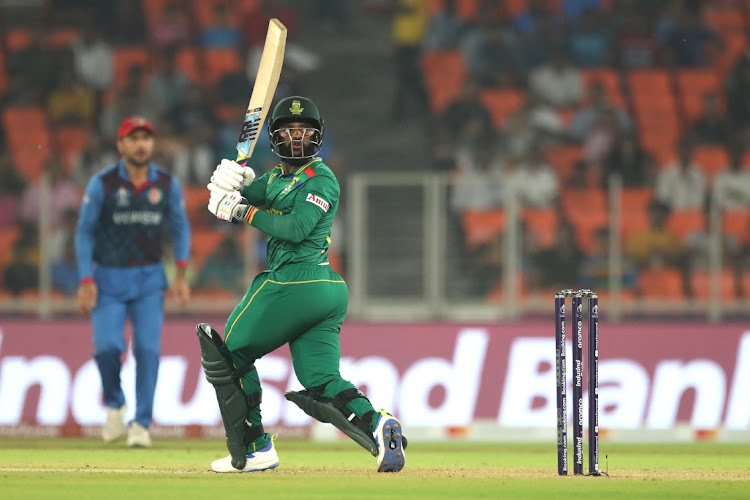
[301, 110]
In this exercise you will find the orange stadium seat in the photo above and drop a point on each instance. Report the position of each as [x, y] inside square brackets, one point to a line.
[153, 9]
[220, 62]
[124, 58]
[204, 242]
[3, 76]
[542, 223]
[17, 39]
[649, 81]
[188, 62]
[693, 85]
[27, 137]
[609, 78]
[196, 200]
[711, 159]
[586, 209]
[736, 223]
[700, 283]
[564, 159]
[724, 19]
[684, 222]
[735, 46]
[660, 284]
[636, 198]
[8, 237]
[61, 37]
[501, 103]
[466, 9]
[444, 74]
[482, 226]
[746, 284]
[69, 142]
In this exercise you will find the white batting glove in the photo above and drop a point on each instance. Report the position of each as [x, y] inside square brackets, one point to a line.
[226, 205]
[229, 175]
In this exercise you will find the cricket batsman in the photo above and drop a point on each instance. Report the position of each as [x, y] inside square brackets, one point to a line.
[118, 248]
[299, 300]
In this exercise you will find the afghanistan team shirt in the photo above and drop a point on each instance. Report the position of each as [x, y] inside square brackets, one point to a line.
[120, 225]
[295, 211]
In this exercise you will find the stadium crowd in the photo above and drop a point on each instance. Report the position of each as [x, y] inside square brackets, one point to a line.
[541, 100]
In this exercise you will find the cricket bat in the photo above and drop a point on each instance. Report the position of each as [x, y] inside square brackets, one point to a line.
[266, 81]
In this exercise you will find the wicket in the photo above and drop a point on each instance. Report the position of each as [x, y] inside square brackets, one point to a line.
[593, 381]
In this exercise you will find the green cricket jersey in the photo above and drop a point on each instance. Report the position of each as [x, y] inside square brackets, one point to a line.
[295, 212]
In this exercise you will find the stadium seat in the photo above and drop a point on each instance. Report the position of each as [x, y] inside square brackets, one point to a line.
[735, 46]
[124, 59]
[8, 237]
[586, 209]
[196, 200]
[660, 284]
[542, 223]
[636, 198]
[693, 84]
[700, 283]
[634, 210]
[444, 74]
[220, 62]
[501, 103]
[27, 137]
[70, 142]
[153, 9]
[61, 37]
[17, 39]
[736, 223]
[482, 226]
[649, 82]
[189, 63]
[466, 9]
[724, 18]
[711, 159]
[609, 78]
[564, 159]
[3, 76]
[684, 222]
[204, 242]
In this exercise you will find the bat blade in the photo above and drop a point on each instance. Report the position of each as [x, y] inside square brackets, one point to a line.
[266, 81]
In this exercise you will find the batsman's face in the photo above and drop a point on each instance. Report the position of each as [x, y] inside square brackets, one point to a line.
[294, 138]
[137, 147]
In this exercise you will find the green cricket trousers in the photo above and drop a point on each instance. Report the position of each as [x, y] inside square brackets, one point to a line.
[303, 305]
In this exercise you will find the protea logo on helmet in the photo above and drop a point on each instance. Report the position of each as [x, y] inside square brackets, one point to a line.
[296, 109]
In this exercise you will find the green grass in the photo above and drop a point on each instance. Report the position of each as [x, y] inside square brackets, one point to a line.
[83, 469]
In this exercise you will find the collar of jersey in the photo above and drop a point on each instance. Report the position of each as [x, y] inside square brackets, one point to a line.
[299, 170]
[152, 174]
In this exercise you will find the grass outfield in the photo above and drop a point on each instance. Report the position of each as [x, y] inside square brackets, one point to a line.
[81, 469]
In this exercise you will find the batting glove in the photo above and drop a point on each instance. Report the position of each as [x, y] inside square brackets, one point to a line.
[226, 205]
[231, 176]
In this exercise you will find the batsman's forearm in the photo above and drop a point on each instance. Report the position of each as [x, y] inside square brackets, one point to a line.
[290, 227]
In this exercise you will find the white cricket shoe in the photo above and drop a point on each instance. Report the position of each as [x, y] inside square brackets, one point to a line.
[391, 442]
[262, 459]
[114, 428]
[138, 436]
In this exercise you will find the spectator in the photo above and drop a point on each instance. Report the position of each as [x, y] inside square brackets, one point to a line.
[656, 245]
[628, 159]
[491, 57]
[479, 184]
[543, 117]
[62, 235]
[681, 186]
[577, 9]
[22, 271]
[220, 268]
[533, 182]
[558, 266]
[172, 29]
[590, 41]
[93, 59]
[409, 27]
[71, 103]
[19, 92]
[11, 187]
[124, 21]
[595, 274]
[37, 64]
[465, 113]
[711, 126]
[63, 195]
[129, 100]
[95, 156]
[540, 31]
[65, 270]
[601, 140]
[168, 85]
[558, 83]
[688, 41]
[223, 33]
[731, 189]
[444, 29]
[637, 46]
[590, 114]
[738, 98]
[518, 135]
[333, 15]
[255, 22]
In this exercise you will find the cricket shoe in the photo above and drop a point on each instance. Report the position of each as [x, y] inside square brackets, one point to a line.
[391, 443]
[114, 427]
[265, 458]
[138, 436]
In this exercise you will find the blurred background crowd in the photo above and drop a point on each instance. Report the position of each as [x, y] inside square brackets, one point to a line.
[541, 101]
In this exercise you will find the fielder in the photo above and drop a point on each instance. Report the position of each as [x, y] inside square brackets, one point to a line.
[299, 300]
[118, 247]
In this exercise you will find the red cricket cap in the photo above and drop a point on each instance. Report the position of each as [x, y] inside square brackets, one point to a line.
[133, 123]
